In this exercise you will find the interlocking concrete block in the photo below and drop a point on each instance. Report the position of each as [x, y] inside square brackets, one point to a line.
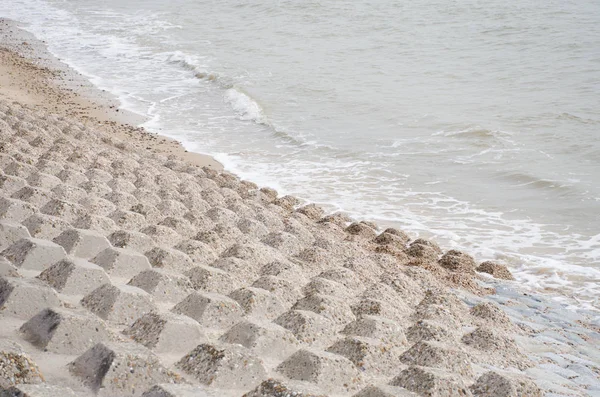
[265, 339]
[375, 327]
[438, 355]
[41, 390]
[163, 286]
[119, 262]
[120, 370]
[15, 211]
[210, 279]
[504, 384]
[372, 356]
[10, 233]
[334, 309]
[170, 390]
[121, 304]
[166, 332]
[33, 254]
[287, 292]
[63, 209]
[97, 206]
[22, 170]
[7, 269]
[131, 240]
[223, 366]
[24, 298]
[33, 195]
[278, 388]
[307, 326]
[11, 184]
[331, 372]
[16, 367]
[210, 310]
[45, 181]
[384, 391]
[101, 224]
[128, 220]
[82, 243]
[72, 194]
[162, 235]
[169, 259]
[72, 177]
[431, 382]
[45, 226]
[199, 252]
[74, 276]
[64, 331]
[258, 302]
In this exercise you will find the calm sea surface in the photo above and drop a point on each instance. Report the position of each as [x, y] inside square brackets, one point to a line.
[476, 122]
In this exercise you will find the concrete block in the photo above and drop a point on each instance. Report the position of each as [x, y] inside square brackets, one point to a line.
[33, 254]
[45, 226]
[431, 382]
[121, 304]
[24, 298]
[210, 310]
[82, 243]
[163, 286]
[119, 262]
[74, 276]
[265, 339]
[15, 211]
[10, 233]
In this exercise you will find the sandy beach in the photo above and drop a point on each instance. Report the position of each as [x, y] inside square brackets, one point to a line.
[130, 266]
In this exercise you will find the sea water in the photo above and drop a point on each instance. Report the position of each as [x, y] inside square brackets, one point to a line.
[473, 122]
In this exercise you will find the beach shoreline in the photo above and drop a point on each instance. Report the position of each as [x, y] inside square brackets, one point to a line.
[541, 340]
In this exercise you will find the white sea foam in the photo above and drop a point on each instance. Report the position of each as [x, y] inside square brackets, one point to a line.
[246, 107]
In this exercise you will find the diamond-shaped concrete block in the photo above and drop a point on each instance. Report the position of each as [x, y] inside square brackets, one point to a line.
[10, 184]
[169, 259]
[45, 226]
[120, 370]
[121, 304]
[211, 279]
[73, 276]
[163, 287]
[306, 326]
[64, 331]
[277, 388]
[24, 298]
[334, 309]
[380, 328]
[82, 243]
[7, 269]
[431, 382]
[122, 263]
[438, 355]
[331, 372]
[17, 368]
[13, 210]
[384, 391]
[210, 310]
[258, 302]
[166, 332]
[131, 240]
[41, 390]
[34, 254]
[504, 384]
[264, 339]
[370, 355]
[33, 195]
[223, 366]
[11, 233]
[63, 209]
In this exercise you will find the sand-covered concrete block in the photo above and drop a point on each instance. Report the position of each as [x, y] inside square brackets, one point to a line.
[384, 391]
[41, 390]
[431, 382]
[33, 195]
[199, 252]
[438, 355]
[121, 304]
[120, 369]
[505, 384]
[496, 270]
[166, 332]
[101, 224]
[131, 240]
[119, 262]
[372, 356]
[361, 230]
[24, 298]
[82, 243]
[10, 184]
[223, 366]
[97, 205]
[258, 302]
[45, 226]
[162, 235]
[34, 254]
[306, 326]
[211, 310]
[10, 233]
[178, 390]
[16, 367]
[163, 286]
[72, 194]
[331, 372]
[128, 220]
[429, 330]
[63, 209]
[287, 292]
[323, 286]
[7, 269]
[64, 331]
[16, 211]
[375, 327]
[265, 339]
[211, 279]
[74, 276]
[169, 259]
[457, 261]
[334, 309]
[279, 388]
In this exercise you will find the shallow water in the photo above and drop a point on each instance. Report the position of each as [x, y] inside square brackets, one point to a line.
[474, 122]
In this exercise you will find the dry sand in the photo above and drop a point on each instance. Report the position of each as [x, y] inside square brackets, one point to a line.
[127, 269]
